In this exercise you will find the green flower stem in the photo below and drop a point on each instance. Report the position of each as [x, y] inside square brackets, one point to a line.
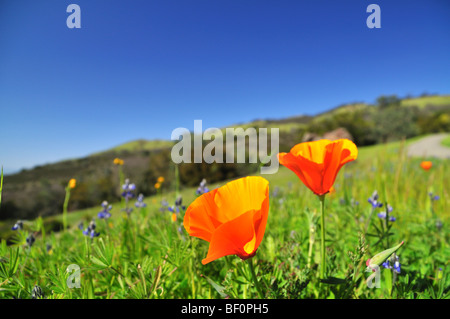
[66, 203]
[368, 221]
[121, 182]
[117, 271]
[322, 243]
[255, 280]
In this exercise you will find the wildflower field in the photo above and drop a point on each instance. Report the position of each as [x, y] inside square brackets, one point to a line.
[386, 236]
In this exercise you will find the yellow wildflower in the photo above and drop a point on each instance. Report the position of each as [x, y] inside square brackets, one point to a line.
[118, 161]
[72, 183]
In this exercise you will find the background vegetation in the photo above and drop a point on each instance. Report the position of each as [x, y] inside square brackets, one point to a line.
[40, 191]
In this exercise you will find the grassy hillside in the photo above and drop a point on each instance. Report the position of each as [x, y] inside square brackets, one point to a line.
[282, 178]
[422, 102]
[38, 191]
[139, 146]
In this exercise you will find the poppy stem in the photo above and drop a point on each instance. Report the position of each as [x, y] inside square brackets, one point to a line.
[255, 280]
[322, 243]
[66, 203]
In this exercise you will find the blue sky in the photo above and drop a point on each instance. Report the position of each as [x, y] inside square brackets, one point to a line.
[139, 69]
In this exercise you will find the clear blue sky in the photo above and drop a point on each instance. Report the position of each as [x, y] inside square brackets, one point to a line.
[141, 68]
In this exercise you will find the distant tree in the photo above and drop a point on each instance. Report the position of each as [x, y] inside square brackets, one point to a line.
[387, 101]
[394, 123]
[435, 122]
[159, 164]
[10, 210]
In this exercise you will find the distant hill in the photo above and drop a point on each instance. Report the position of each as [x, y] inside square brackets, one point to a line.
[40, 190]
[138, 146]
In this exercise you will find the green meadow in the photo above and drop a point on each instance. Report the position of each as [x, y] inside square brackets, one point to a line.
[148, 255]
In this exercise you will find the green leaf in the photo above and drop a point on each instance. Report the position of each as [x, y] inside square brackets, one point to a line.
[156, 280]
[334, 281]
[98, 262]
[13, 261]
[379, 258]
[220, 289]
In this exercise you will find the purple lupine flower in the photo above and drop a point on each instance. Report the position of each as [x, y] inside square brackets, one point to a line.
[164, 205]
[128, 193]
[140, 202]
[382, 215]
[128, 189]
[18, 225]
[178, 206]
[105, 213]
[396, 263]
[90, 230]
[374, 200]
[433, 197]
[30, 240]
[202, 189]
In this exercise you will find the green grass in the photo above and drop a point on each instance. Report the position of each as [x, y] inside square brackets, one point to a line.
[421, 102]
[140, 145]
[446, 141]
[348, 108]
[149, 256]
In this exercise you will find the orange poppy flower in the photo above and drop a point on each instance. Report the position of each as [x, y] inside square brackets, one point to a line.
[317, 163]
[231, 218]
[160, 179]
[157, 185]
[72, 183]
[174, 217]
[426, 165]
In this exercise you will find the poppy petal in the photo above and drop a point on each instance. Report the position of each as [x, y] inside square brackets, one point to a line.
[308, 172]
[197, 219]
[232, 218]
[236, 237]
[337, 154]
[317, 163]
